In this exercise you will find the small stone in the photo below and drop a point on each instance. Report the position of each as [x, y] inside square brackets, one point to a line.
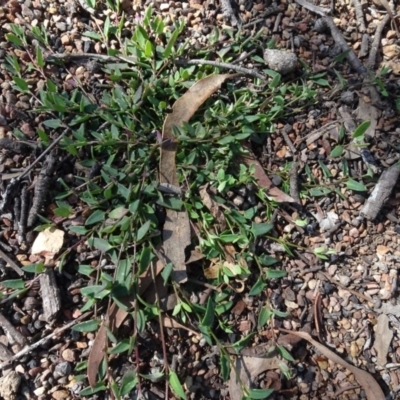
[280, 61]
[312, 283]
[52, 10]
[347, 97]
[164, 6]
[64, 40]
[354, 232]
[68, 355]
[242, 191]
[238, 201]
[62, 26]
[60, 394]
[39, 391]
[62, 369]
[344, 280]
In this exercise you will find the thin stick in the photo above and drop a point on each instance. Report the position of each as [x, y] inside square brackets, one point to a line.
[12, 263]
[376, 42]
[353, 60]
[359, 15]
[312, 7]
[294, 182]
[48, 149]
[42, 341]
[236, 68]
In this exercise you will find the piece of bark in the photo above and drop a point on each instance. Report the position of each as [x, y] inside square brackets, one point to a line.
[294, 182]
[383, 338]
[381, 192]
[12, 334]
[50, 295]
[9, 385]
[42, 186]
[5, 353]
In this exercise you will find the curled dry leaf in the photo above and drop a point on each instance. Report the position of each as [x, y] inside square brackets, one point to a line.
[169, 322]
[372, 390]
[176, 232]
[213, 207]
[97, 354]
[383, 338]
[246, 371]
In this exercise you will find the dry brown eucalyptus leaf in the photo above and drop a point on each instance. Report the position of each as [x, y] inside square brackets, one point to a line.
[372, 390]
[176, 232]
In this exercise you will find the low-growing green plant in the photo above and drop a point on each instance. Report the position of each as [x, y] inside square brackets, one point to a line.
[114, 138]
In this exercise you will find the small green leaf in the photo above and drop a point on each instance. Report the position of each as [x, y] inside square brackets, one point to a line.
[86, 270]
[209, 315]
[92, 35]
[337, 151]
[79, 230]
[87, 326]
[118, 213]
[225, 366]
[361, 129]
[274, 274]
[52, 123]
[98, 387]
[128, 382]
[142, 231]
[266, 260]
[260, 393]
[176, 385]
[263, 317]
[14, 39]
[166, 272]
[121, 347]
[99, 244]
[257, 288]
[95, 217]
[354, 185]
[284, 353]
[22, 85]
[63, 211]
[34, 268]
[13, 284]
[260, 229]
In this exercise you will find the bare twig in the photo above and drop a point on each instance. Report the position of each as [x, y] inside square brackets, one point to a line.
[45, 152]
[12, 263]
[359, 15]
[277, 22]
[236, 68]
[354, 62]
[364, 45]
[381, 192]
[376, 42]
[315, 9]
[294, 182]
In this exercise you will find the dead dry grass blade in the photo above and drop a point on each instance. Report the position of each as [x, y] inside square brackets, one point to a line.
[372, 390]
[176, 232]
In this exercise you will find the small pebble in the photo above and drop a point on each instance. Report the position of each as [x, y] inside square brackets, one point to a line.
[62, 369]
[238, 201]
